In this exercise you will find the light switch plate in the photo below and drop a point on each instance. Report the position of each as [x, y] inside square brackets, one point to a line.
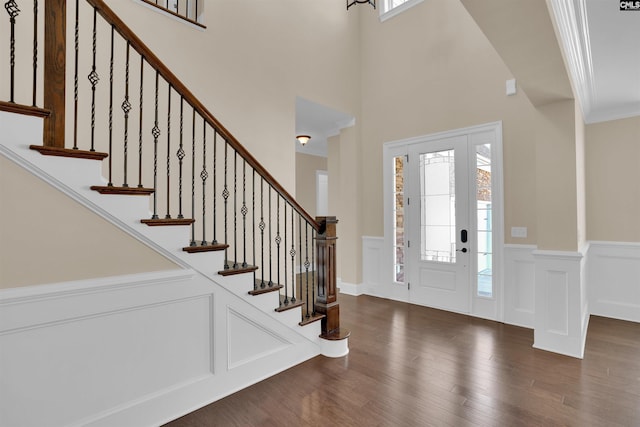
[520, 232]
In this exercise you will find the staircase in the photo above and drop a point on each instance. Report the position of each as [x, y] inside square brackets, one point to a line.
[254, 285]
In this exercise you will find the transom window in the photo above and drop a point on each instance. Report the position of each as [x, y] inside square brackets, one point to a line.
[391, 8]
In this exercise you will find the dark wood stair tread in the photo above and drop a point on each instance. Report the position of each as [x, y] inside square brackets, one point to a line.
[69, 152]
[259, 290]
[337, 335]
[127, 191]
[239, 269]
[199, 247]
[289, 305]
[167, 221]
[312, 318]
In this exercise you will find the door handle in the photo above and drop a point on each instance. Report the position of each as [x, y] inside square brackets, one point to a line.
[463, 250]
[463, 236]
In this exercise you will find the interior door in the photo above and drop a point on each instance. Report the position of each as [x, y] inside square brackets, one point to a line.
[440, 229]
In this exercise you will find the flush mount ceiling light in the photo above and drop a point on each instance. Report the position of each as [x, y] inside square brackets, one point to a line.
[352, 2]
[303, 139]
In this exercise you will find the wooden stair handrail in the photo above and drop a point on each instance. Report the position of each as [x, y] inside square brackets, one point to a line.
[191, 99]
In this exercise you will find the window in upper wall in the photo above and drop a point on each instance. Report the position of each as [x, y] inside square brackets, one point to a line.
[189, 10]
[391, 8]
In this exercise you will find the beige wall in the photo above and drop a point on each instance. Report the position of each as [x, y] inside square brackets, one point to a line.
[613, 180]
[556, 195]
[48, 237]
[252, 61]
[432, 69]
[247, 68]
[306, 167]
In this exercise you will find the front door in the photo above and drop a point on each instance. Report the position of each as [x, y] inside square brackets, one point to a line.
[449, 190]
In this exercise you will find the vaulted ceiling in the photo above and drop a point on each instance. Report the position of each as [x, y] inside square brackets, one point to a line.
[598, 40]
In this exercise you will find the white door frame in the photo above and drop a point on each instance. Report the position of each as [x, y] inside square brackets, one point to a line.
[480, 307]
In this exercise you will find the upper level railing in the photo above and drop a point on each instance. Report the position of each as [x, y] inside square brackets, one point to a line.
[125, 105]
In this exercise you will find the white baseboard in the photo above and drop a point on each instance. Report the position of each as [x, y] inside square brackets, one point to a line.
[350, 288]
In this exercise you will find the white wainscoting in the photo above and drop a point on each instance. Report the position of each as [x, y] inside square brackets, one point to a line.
[561, 304]
[519, 285]
[373, 265]
[136, 350]
[613, 273]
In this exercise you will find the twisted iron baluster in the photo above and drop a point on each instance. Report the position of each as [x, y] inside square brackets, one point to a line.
[35, 51]
[12, 9]
[140, 122]
[306, 265]
[193, 176]
[75, 80]
[110, 184]
[156, 134]
[270, 244]
[292, 252]
[225, 196]
[244, 211]
[126, 108]
[215, 199]
[168, 215]
[313, 274]
[278, 240]
[253, 228]
[93, 79]
[235, 210]
[262, 225]
[286, 287]
[180, 155]
[204, 175]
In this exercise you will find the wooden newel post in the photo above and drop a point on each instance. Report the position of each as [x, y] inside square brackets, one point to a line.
[55, 18]
[327, 300]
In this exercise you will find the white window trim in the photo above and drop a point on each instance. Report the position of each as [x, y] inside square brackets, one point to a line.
[390, 13]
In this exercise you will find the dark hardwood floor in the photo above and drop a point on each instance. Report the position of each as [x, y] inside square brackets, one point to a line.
[414, 366]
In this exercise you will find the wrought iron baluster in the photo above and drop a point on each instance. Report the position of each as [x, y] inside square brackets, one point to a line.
[168, 215]
[93, 79]
[235, 209]
[140, 122]
[262, 227]
[215, 179]
[244, 211]
[286, 287]
[110, 183]
[313, 272]
[278, 240]
[193, 176]
[270, 242]
[35, 51]
[204, 175]
[225, 196]
[292, 252]
[12, 9]
[180, 155]
[306, 266]
[156, 134]
[75, 79]
[126, 108]
[253, 228]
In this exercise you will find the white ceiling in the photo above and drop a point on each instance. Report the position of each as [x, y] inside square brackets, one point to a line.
[600, 44]
[319, 122]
